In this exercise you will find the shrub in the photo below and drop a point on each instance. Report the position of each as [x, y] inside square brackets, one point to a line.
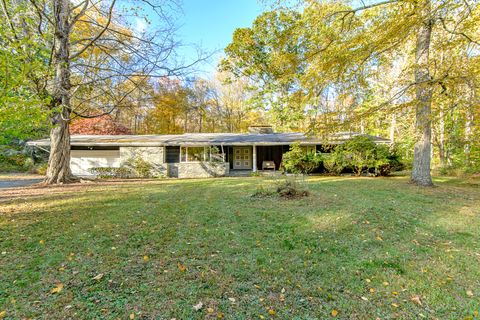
[335, 162]
[15, 163]
[41, 169]
[362, 154]
[298, 161]
[139, 167]
[261, 191]
[110, 173]
[289, 188]
[255, 174]
[387, 161]
[133, 167]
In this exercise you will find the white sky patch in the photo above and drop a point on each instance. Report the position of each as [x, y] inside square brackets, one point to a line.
[140, 25]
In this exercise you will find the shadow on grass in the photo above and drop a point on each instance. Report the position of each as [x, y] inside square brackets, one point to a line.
[353, 239]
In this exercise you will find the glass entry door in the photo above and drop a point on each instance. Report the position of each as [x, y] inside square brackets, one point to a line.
[242, 158]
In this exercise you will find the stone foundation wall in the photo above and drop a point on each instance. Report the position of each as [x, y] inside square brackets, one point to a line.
[156, 157]
[153, 155]
[198, 169]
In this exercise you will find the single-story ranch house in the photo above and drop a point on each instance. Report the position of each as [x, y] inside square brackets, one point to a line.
[193, 155]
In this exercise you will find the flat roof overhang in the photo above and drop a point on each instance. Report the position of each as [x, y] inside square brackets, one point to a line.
[224, 139]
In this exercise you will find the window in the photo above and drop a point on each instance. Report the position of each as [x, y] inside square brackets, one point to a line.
[197, 154]
[309, 149]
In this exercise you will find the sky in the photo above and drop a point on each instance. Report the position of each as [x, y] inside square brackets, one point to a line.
[210, 25]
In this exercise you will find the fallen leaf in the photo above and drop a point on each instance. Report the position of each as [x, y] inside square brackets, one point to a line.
[261, 316]
[416, 299]
[98, 277]
[282, 297]
[271, 312]
[181, 267]
[394, 305]
[394, 293]
[198, 306]
[132, 316]
[57, 288]
[3, 314]
[220, 315]
[378, 238]
[42, 242]
[334, 313]
[372, 290]
[470, 293]
[368, 280]
[475, 313]
[146, 258]
[210, 310]
[385, 283]
[364, 298]
[231, 299]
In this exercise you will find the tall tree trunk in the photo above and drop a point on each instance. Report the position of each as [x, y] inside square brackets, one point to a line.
[424, 89]
[59, 161]
[468, 135]
[441, 138]
[393, 125]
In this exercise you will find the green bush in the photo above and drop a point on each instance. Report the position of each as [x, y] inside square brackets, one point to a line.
[291, 187]
[139, 167]
[132, 168]
[362, 154]
[335, 162]
[15, 163]
[387, 161]
[261, 192]
[297, 160]
[142, 168]
[111, 173]
[40, 168]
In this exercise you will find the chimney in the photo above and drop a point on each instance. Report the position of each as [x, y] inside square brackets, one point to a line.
[264, 129]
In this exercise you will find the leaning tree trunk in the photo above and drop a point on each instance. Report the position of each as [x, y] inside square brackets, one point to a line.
[59, 161]
[424, 89]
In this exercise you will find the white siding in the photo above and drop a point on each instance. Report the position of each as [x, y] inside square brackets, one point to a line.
[82, 160]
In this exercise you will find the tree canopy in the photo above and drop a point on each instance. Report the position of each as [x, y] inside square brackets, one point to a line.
[389, 67]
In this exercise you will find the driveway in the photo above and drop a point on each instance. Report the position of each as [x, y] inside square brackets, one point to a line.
[18, 180]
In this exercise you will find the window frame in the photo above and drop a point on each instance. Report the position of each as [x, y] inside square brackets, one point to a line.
[206, 157]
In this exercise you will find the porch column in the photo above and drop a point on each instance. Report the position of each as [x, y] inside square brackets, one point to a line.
[254, 158]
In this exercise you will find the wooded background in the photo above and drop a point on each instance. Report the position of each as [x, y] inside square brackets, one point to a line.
[407, 70]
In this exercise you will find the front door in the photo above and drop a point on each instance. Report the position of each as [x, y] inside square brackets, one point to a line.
[242, 158]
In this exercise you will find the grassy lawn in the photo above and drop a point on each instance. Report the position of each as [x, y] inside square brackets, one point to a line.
[361, 248]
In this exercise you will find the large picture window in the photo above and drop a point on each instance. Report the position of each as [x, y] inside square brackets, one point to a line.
[198, 154]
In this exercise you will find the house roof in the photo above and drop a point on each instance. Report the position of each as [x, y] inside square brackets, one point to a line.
[192, 139]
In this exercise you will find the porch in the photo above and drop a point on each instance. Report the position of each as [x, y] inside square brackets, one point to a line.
[246, 159]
